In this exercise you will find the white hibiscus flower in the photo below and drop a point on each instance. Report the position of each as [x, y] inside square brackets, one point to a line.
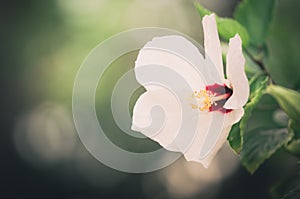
[216, 101]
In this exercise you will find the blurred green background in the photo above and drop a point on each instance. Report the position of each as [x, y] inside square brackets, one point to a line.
[43, 44]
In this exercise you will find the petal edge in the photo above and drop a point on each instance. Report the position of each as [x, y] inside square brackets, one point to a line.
[235, 62]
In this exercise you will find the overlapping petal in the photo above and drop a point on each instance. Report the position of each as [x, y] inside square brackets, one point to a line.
[235, 62]
[176, 53]
[212, 42]
[143, 117]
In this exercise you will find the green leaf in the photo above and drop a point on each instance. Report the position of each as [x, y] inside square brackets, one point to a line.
[227, 28]
[288, 100]
[255, 16]
[295, 194]
[260, 145]
[258, 84]
[251, 67]
[295, 129]
[235, 139]
[201, 10]
[283, 45]
[294, 145]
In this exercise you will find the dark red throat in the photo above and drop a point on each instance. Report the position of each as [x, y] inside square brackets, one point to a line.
[219, 90]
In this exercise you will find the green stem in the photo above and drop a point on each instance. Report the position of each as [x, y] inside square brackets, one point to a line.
[258, 62]
[260, 65]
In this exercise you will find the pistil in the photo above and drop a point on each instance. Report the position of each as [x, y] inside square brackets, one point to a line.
[213, 98]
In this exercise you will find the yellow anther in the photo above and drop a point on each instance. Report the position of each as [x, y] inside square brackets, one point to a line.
[203, 99]
[194, 106]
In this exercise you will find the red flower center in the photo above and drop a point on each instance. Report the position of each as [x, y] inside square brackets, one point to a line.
[221, 93]
[212, 98]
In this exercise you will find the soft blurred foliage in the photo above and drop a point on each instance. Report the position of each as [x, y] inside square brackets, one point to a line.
[43, 44]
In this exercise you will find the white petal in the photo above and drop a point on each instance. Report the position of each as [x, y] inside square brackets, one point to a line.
[192, 153]
[161, 127]
[235, 62]
[175, 53]
[234, 116]
[208, 159]
[209, 130]
[231, 118]
[212, 43]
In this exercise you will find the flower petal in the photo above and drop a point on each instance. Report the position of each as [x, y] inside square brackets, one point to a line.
[175, 53]
[208, 159]
[212, 42]
[231, 118]
[192, 153]
[160, 126]
[208, 134]
[234, 116]
[235, 62]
